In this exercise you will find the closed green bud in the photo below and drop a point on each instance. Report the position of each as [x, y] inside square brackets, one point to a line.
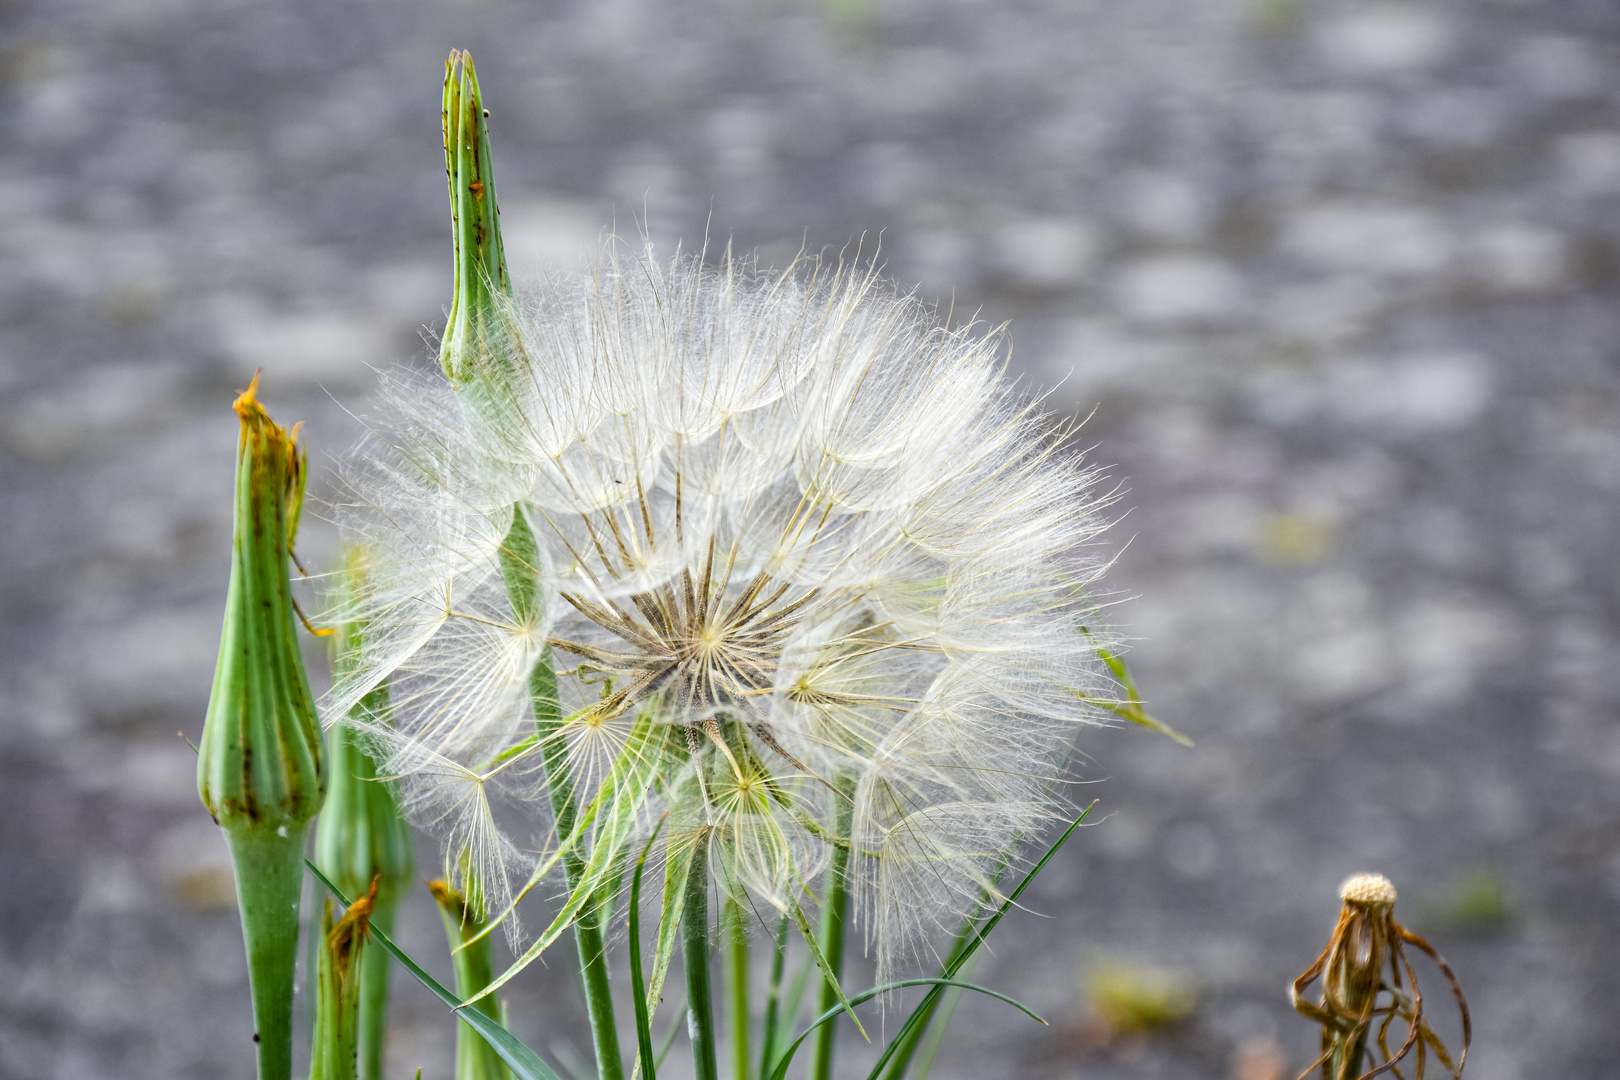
[474, 344]
[361, 841]
[261, 769]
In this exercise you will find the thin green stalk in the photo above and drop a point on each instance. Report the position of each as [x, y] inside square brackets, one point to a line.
[269, 886]
[520, 560]
[767, 1047]
[375, 968]
[734, 930]
[524, 1062]
[474, 962]
[638, 984]
[834, 916]
[695, 956]
[911, 1033]
[361, 838]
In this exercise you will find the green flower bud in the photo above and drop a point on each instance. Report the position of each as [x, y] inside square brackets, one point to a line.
[261, 769]
[473, 343]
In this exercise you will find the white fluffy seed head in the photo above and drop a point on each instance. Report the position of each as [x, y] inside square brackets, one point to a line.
[815, 534]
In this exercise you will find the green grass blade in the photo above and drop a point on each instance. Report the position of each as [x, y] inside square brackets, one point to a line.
[938, 985]
[909, 1031]
[524, 1063]
[638, 988]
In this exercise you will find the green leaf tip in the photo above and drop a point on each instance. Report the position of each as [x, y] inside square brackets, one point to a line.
[481, 278]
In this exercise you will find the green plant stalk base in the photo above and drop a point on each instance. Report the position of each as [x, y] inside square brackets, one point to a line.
[695, 957]
[374, 971]
[269, 880]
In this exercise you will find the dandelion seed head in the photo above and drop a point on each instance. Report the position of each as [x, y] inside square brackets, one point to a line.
[816, 536]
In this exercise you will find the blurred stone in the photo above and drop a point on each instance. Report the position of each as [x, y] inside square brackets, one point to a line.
[1590, 162]
[1191, 850]
[548, 235]
[1560, 67]
[1369, 237]
[1384, 38]
[1426, 392]
[1180, 288]
[194, 864]
[1045, 252]
[1512, 257]
[332, 347]
[1258, 1059]
[1165, 205]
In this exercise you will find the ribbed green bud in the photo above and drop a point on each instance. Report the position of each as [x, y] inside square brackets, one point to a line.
[338, 990]
[261, 769]
[361, 840]
[474, 344]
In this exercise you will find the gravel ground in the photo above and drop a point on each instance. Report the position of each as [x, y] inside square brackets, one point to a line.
[1336, 281]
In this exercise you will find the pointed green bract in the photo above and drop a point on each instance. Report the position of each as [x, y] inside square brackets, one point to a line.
[361, 837]
[629, 783]
[339, 986]
[677, 865]
[481, 278]
[261, 767]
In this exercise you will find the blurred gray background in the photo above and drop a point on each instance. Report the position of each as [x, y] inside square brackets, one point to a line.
[1338, 280]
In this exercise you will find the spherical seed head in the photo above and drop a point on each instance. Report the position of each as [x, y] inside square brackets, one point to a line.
[1367, 889]
[813, 539]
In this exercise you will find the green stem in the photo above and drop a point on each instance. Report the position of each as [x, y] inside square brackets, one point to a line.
[474, 965]
[374, 972]
[520, 559]
[588, 927]
[269, 881]
[695, 956]
[834, 916]
[735, 930]
[1345, 1064]
[773, 1008]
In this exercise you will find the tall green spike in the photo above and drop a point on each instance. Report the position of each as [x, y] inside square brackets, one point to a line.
[481, 279]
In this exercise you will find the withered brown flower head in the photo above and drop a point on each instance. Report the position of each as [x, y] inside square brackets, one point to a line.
[1368, 984]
